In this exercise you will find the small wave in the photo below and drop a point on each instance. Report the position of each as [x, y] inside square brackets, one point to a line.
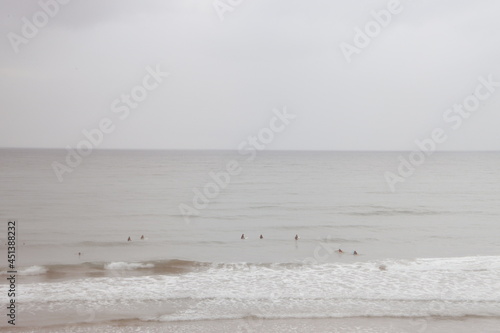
[471, 265]
[391, 287]
[110, 244]
[32, 270]
[306, 227]
[93, 244]
[395, 212]
[259, 316]
[263, 207]
[127, 266]
[191, 317]
[103, 269]
[381, 210]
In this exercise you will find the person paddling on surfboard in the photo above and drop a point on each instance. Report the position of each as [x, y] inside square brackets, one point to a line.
[340, 251]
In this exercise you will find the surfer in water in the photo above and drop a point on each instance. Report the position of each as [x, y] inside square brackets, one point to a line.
[243, 236]
[142, 237]
[355, 253]
[261, 236]
[129, 239]
[340, 251]
[297, 237]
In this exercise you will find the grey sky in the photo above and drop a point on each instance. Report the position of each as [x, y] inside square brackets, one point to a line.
[227, 76]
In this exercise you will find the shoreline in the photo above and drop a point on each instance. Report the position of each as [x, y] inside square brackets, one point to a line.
[352, 324]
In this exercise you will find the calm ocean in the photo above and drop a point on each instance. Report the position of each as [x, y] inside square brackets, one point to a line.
[429, 251]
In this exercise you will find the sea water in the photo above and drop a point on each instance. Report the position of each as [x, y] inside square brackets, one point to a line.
[431, 249]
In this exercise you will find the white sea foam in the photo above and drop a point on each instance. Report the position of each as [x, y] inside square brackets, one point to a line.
[32, 270]
[406, 288]
[127, 266]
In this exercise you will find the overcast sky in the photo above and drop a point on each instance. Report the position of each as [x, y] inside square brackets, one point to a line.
[226, 76]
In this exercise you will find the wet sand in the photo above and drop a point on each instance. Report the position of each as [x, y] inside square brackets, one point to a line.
[331, 325]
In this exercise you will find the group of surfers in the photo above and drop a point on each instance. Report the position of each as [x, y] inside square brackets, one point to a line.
[297, 238]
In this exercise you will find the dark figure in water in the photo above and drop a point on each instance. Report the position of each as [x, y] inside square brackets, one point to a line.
[355, 253]
[242, 236]
[79, 253]
[340, 251]
[142, 237]
[297, 237]
[261, 236]
[129, 239]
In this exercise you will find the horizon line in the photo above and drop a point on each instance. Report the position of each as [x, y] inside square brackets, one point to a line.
[264, 150]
